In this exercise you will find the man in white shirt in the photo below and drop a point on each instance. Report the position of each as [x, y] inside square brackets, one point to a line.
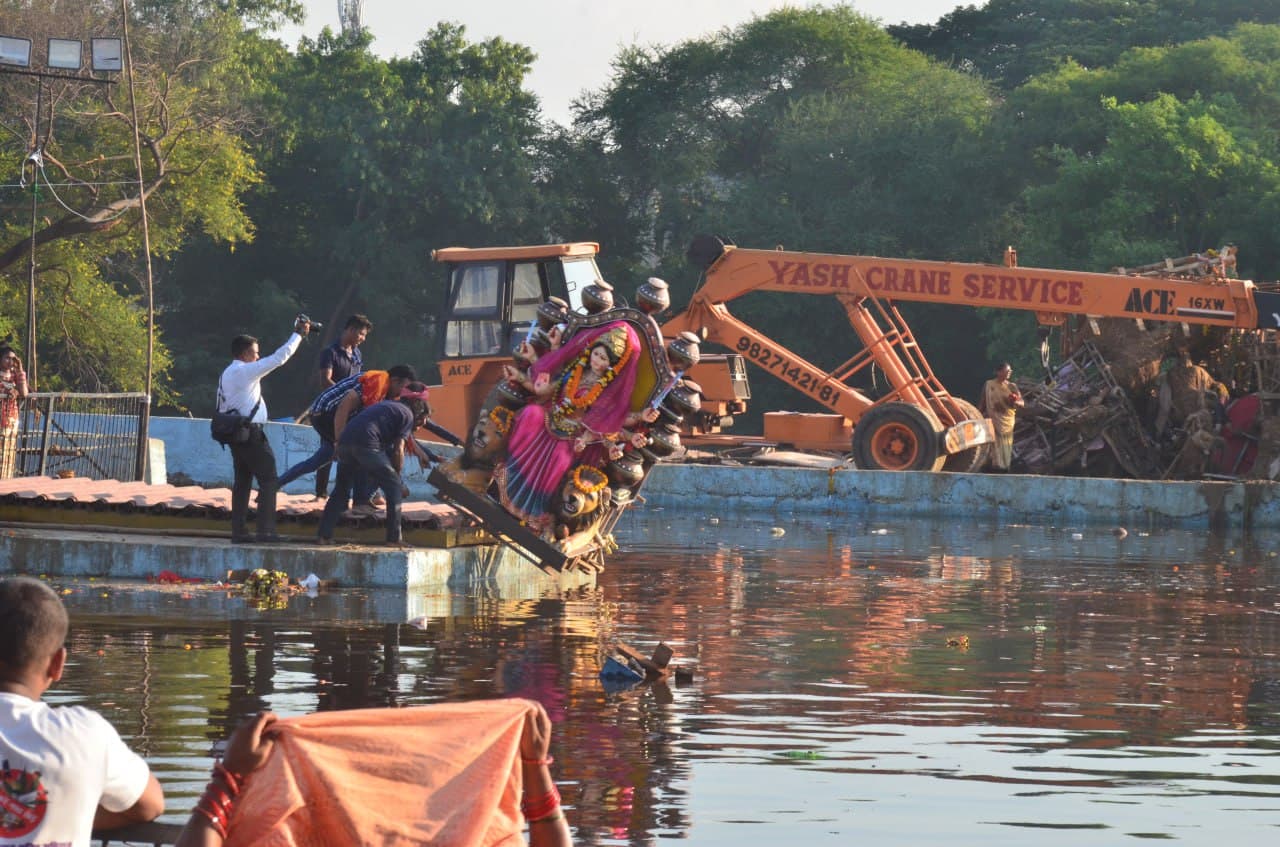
[240, 388]
[66, 771]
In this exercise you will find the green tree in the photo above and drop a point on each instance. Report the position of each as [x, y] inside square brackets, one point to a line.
[1011, 41]
[1167, 151]
[87, 237]
[370, 165]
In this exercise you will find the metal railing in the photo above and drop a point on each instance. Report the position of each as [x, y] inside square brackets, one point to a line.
[154, 834]
[97, 436]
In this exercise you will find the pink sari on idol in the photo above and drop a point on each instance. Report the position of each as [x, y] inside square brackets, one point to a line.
[540, 451]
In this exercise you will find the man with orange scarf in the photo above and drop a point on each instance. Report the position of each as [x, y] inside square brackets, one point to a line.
[337, 404]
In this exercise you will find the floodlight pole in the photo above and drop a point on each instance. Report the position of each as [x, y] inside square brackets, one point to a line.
[32, 366]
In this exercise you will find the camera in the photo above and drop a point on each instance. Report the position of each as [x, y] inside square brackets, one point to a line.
[316, 326]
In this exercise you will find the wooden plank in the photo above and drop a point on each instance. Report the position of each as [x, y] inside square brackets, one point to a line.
[654, 667]
[498, 522]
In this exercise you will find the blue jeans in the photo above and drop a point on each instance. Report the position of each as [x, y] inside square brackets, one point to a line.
[319, 463]
[313, 463]
[374, 464]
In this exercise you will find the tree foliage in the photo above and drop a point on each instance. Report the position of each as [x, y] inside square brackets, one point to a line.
[1011, 41]
[371, 164]
[76, 154]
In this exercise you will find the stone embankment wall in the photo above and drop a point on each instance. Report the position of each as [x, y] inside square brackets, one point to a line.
[190, 453]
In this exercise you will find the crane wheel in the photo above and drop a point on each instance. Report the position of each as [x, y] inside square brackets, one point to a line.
[975, 459]
[896, 437]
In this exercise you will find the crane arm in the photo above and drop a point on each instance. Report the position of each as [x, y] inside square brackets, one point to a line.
[1051, 294]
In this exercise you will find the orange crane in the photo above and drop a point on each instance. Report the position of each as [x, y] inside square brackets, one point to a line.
[919, 425]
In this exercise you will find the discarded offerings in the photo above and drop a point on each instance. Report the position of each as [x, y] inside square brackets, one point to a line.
[1079, 420]
[564, 442]
[1156, 401]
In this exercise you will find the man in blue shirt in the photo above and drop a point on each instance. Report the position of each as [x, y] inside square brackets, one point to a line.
[329, 412]
[342, 358]
[374, 442]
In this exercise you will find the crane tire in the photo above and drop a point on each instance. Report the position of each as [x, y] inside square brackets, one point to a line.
[896, 437]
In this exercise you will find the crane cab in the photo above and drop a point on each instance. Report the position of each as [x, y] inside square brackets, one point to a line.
[493, 294]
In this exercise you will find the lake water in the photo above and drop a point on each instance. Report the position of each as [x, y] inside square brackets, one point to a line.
[901, 683]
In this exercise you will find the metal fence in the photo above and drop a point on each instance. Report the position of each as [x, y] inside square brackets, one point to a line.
[96, 436]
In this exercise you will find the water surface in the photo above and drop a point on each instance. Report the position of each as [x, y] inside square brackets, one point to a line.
[903, 683]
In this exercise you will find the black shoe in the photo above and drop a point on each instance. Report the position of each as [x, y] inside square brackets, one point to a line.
[269, 538]
[242, 539]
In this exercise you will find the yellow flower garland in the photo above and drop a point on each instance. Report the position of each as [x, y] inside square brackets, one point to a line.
[589, 487]
[502, 418]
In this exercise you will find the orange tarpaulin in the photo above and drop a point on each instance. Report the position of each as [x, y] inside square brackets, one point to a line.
[444, 775]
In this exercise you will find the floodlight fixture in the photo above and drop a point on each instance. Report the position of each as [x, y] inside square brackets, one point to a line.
[15, 51]
[107, 55]
[64, 54]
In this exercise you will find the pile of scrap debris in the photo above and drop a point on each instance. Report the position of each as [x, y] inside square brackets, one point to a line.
[1156, 400]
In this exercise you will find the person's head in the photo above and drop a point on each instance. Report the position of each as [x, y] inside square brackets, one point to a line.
[1004, 371]
[33, 627]
[8, 357]
[398, 376]
[356, 330]
[414, 396]
[244, 348]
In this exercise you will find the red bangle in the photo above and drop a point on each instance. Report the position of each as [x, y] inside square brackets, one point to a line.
[216, 796]
[547, 761]
[233, 782]
[541, 807]
[216, 817]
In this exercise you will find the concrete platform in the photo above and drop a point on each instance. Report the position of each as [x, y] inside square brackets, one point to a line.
[117, 555]
[1051, 500]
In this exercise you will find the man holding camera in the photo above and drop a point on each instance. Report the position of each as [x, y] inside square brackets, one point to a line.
[240, 388]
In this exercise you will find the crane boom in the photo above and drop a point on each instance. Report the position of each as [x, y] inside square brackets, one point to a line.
[1050, 294]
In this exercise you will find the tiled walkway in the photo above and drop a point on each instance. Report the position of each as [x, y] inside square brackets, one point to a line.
[186, 501]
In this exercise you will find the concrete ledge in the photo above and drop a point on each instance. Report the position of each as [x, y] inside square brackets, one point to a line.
[122, 556]
[1000, 497]
[997, 497]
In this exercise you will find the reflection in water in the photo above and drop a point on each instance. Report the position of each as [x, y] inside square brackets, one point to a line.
[903, 683]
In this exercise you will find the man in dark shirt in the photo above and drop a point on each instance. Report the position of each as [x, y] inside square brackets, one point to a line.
[330, 411]
[373, 442]
[342, 358]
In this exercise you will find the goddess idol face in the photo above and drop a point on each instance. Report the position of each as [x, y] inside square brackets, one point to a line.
[600, 360]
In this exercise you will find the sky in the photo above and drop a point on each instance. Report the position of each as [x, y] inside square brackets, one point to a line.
[575, 40]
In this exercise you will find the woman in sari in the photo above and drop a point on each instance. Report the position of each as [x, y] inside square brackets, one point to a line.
[579, 412]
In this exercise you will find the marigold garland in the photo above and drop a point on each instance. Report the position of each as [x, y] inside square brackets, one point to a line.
[589, 487]
[570, 399]
[502, 418]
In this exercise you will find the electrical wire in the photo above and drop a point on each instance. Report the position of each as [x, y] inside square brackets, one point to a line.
[49, 185]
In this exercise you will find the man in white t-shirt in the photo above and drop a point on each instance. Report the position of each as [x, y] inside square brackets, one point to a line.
[64, 771]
